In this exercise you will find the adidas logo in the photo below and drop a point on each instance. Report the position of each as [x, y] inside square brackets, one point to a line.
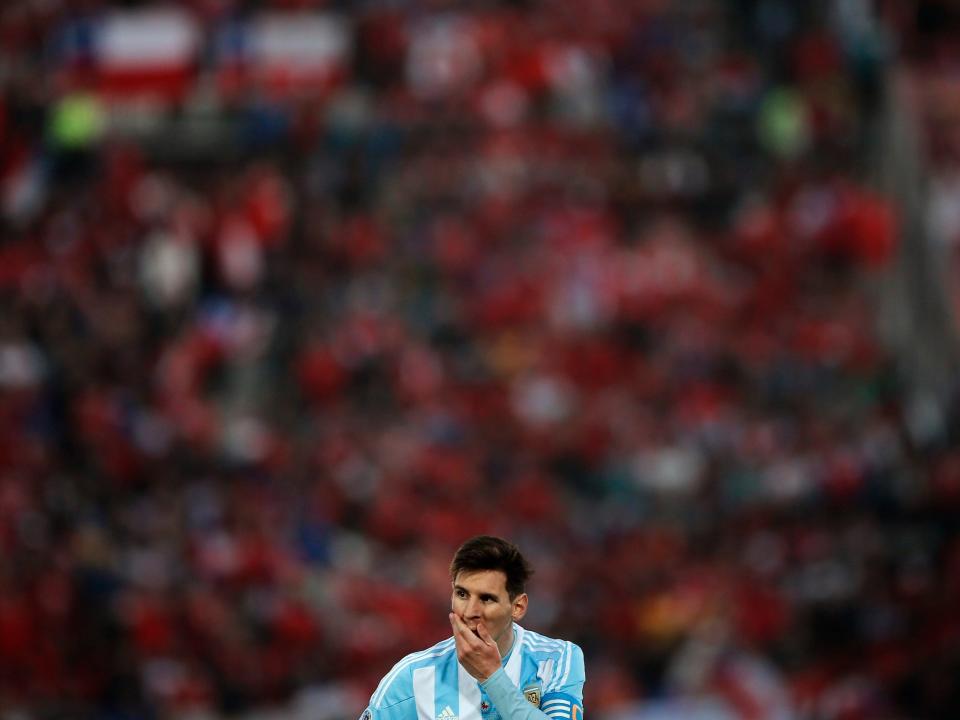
[446, 714]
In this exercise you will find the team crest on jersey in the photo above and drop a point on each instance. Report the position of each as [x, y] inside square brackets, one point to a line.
[532, 694]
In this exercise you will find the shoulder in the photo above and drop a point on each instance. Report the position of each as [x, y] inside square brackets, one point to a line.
[397, 685]
[559, 662]
[535, 640]
[541, 645]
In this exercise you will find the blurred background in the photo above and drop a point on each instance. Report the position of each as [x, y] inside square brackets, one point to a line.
[297, 295]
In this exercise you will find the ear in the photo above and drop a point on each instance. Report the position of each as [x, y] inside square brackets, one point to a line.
[519, 608]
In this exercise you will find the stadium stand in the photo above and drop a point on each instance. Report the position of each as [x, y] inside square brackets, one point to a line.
[298, 294]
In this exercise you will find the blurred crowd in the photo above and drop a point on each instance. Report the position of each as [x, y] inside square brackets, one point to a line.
[599, 276]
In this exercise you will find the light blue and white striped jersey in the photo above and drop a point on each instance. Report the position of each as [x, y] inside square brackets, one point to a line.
[432, 685]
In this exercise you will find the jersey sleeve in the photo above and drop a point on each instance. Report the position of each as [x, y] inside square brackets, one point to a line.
[401, 710]
[393, 698]
[563, 697]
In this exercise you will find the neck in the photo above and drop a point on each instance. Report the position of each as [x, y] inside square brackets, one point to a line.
[506, 641]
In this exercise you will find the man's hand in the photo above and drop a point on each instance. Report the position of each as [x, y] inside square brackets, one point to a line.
[477, 652]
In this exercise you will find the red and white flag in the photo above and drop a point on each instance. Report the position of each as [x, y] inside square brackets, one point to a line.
[285, 53]
[146, 53]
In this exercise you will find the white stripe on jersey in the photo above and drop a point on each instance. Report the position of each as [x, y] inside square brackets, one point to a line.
[566, 668]
[515, 663]
[558, 649]
[424, 691]
[544, 643]
[557, 672]
[545, 672]
[557, 708]
[563, 669]
[437, 650]
[469, 693]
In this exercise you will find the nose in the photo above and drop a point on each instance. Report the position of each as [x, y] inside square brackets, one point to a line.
[472, 609]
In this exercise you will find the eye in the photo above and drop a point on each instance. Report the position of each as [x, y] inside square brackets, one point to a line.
[460, 593]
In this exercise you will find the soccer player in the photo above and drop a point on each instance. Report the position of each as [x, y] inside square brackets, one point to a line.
[491, 669]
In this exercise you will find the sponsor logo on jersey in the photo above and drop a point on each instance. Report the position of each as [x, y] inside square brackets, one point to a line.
[447, 714]
[532, 694]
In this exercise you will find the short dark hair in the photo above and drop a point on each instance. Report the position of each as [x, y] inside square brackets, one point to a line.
[486, 552]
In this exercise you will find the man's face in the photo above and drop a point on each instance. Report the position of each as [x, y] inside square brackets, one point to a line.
[482, 595]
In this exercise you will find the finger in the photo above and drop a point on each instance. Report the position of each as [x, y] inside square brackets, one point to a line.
[484, 634]
[460, 627]
[467, 637]
[458, 637]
